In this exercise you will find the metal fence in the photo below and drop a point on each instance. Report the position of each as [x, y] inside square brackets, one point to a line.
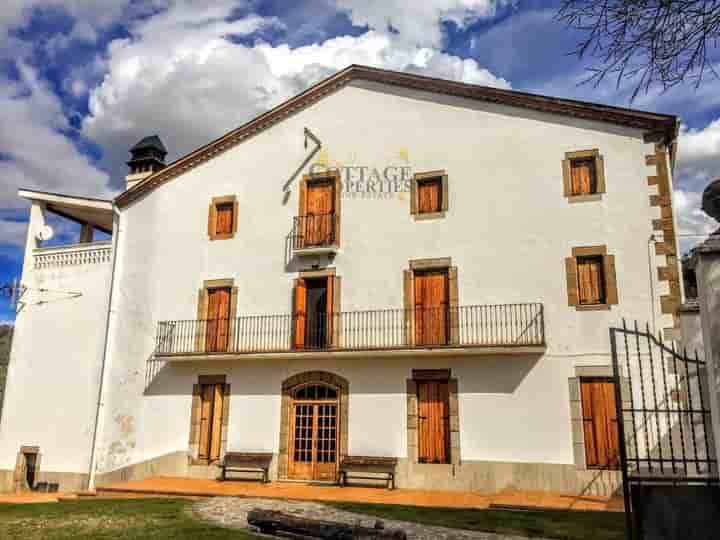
[314, 231]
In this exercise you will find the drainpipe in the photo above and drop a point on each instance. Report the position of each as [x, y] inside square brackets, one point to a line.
[103, 370]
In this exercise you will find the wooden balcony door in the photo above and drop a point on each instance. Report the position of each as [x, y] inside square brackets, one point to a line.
[600, 427]
[431, 307]
[211, 407]
[319, 213]
[314, 436]
[433, 421]
[217, 326]
[313, 312]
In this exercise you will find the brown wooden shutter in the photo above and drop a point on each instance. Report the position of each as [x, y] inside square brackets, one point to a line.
[433, 420]
[600, 423]
[611, 289]
[408, 304]
[206, 409]
[430, 196]
[224, 218]
[218, 315]
[583, 176]
[590, 280]
[216, 429]
[567, 174]
[299, 313]
[211, 221]
[571, 273]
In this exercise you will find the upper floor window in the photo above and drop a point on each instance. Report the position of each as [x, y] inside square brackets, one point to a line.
[222, 217]
[583, 174]
[591, 281]
[429, 195]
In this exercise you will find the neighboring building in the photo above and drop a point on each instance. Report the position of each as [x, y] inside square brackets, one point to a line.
[384, 265]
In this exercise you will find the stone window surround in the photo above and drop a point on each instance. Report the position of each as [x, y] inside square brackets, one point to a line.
[610, 275]
[194, 442]
[576, 413]
[599, 175]
[334, 176]
[288, 387]
[412, 413]
[202, 309]
[438, 263]
[19, 483]
[212, 217]
[417, 177]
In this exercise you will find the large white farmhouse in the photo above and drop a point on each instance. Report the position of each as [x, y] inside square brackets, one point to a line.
[385, 265]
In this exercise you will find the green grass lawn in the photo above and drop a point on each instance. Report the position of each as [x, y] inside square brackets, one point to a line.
[550, 524]
[150, 519]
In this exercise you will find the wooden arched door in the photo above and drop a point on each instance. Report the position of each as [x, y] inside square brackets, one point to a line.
[314, 429]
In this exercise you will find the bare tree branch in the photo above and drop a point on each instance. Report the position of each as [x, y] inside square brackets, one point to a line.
[651, 42]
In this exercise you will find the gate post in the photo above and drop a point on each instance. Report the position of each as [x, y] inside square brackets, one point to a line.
[621, 434]
[708, 278]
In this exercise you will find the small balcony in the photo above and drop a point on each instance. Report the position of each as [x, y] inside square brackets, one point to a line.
[474, 329]
[315, 234]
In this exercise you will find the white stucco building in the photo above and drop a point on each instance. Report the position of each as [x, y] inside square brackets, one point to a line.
[385, 265]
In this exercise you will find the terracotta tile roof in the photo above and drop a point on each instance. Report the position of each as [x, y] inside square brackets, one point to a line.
[660, 126]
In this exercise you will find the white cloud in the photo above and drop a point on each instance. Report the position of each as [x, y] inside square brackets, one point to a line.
[12, 232]
[178, 75]
[694, 225]
[699, 155]
[419, 22]
[38, 154]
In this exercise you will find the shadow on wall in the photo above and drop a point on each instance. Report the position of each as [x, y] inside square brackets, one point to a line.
[476, 375]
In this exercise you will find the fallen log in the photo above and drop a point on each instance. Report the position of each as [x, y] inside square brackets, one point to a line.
[273, 521]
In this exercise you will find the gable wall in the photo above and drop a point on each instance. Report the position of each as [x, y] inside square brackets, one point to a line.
[508, 230]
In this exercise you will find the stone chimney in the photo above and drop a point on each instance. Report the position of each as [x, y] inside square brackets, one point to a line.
[148, 157]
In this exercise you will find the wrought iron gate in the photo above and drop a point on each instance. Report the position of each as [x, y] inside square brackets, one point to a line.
[667, 455]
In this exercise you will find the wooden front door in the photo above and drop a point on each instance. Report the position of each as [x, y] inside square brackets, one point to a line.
[602, 442]
[314, 434]
[218, 320]
[211, 408]
[431, 307]
[433, 422]
[319, 213]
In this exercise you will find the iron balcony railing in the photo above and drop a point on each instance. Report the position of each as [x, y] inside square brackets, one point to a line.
[506, 325]
[313, 231]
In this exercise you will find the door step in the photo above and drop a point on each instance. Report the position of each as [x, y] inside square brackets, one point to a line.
[306, 482]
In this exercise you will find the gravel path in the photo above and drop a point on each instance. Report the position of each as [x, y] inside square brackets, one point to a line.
[232, 512]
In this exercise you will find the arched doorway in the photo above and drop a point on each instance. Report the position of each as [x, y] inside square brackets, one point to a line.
[314, 430]
[314, 426]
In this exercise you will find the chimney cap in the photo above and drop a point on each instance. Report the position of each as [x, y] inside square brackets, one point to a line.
[150, 142]
[711, 199]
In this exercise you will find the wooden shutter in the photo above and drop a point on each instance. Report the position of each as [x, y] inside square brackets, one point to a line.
[206, 410]
[591, 286]
[431, 307]
[600, 423]
[329, 309]
[611, 290]
[299, 313]
[216, 429]
[224, 218]
[583, 178]
[571, 274]
[218, 323]
[433, 419]
[429, 196]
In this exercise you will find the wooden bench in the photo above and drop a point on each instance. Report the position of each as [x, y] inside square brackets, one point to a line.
[246, 462]
[365, 465]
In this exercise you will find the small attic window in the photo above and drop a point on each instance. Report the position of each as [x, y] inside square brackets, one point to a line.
[222, 217]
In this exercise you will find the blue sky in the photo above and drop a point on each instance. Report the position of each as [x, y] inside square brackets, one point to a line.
[82, 80]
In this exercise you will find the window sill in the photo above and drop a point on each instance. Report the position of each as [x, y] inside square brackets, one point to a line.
[222, 236]
[426, 216]
[584, 198]
[593, 307]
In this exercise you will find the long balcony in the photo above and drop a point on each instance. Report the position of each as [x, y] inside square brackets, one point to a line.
[505, 328]
[315, 234]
